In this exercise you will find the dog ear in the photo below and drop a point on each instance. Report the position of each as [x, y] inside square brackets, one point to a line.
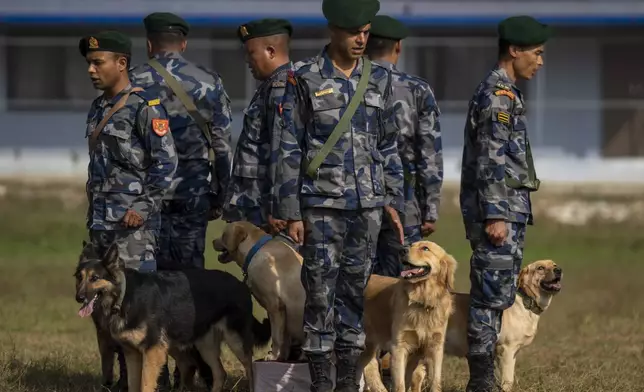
[447, 272]
[235, 236]
[525, 282]
[111, 259]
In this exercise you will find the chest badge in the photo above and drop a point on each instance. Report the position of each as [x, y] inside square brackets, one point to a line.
[324, 92]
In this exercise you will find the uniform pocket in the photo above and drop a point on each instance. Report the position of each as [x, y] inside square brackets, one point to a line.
[120, 194]
[326, 112]
[329, 179]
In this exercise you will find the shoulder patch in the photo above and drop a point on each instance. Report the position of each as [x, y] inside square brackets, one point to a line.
[279, 84]
[154, 102]
[503, 117]
[291, 77]
[507, 93]
[503, 86]
[160, 126]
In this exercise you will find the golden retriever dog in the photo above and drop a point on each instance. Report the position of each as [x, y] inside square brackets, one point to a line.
[538, 283]
[273, 275]
[407, 316]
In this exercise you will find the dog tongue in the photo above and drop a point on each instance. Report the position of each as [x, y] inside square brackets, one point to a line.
[411, 272]
[87, 308]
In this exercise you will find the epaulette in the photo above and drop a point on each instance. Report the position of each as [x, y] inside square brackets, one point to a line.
[154, 102]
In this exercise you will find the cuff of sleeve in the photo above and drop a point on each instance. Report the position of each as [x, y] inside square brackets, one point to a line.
[396, 202]
[289, 210]
[494, 211]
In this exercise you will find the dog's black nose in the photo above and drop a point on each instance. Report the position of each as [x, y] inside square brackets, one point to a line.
[558, 271]
[404, 252]
[80, 298]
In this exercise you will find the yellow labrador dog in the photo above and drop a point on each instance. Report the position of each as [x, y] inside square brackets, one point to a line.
[538, 283]
[407, 316]
[272, 270]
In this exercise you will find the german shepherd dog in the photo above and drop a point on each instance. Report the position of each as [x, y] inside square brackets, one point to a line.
[151, 315]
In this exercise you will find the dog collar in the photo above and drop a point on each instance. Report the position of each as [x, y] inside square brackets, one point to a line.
[258, 245]
[529, 303]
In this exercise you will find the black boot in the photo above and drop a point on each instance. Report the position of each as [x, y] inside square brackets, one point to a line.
[347, 374]
[320, 369]
[481, 373]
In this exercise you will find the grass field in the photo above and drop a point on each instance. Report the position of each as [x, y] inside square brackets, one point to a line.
[591, 339]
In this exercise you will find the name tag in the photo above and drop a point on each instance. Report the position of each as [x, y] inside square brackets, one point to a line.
[324, 92]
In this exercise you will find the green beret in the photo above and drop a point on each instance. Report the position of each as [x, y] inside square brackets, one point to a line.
[349, 14]
[160, 22]
[264, 28]
[384, 26]
[523, 31]
[106, 41]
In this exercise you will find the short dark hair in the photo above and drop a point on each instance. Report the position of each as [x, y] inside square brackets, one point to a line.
[166, 38]
[379, 47]
[127, 58]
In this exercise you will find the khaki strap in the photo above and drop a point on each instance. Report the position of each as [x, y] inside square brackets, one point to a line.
[343, 124]
[188, 103]
[93, 138]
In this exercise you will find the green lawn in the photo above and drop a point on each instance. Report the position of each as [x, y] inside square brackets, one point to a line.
[591, 339]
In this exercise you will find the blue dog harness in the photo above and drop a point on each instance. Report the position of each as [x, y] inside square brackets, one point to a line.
[253, 251]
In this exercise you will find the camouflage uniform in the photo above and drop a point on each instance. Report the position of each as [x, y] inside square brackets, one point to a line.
[342, 206]
[197, 187]
[129, 168]
[496, 180]
[420, 149]
[251, 182]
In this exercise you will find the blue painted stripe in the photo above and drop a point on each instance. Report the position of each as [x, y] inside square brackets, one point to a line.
[216, 21]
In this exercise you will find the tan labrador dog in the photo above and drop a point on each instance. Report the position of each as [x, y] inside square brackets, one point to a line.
[273, 276]
[407, 316]
[538, 283]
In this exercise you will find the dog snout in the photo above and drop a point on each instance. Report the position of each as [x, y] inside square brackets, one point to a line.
[80, 298]
[558, 271]
[404, 253]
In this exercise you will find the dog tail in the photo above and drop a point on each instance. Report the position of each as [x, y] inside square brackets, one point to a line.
[261, 332]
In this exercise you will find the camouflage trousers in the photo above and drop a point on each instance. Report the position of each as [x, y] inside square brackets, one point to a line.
[494, 272]
[387, 262]
[182, 240]
[338, 249]
[253, 215]
[137, 248]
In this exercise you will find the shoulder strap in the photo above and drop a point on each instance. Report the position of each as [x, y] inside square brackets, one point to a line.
[342, 125]
[119, 104]
[176, 88]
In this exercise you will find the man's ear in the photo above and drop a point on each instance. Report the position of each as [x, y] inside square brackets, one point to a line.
[270, 49]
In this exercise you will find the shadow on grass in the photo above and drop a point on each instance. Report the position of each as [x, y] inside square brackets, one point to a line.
[48, 375]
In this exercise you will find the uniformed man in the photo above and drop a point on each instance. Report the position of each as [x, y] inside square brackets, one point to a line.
[132, 157]
[266, 44]
[496, 180]
[200, 119]
[338, 167]
[419, 146]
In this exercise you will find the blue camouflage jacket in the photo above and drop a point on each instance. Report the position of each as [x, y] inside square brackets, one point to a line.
[496, 166]
[194, 175]
[363, 169]
[133, 162]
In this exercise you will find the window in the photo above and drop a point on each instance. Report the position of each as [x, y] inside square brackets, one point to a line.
[455, 71]
[35, 76]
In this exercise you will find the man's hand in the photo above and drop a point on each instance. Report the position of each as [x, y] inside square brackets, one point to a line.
[276, 225]
[132, 219]
[395, 219]
[428, 228]
[496, 230]
[296, 231]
